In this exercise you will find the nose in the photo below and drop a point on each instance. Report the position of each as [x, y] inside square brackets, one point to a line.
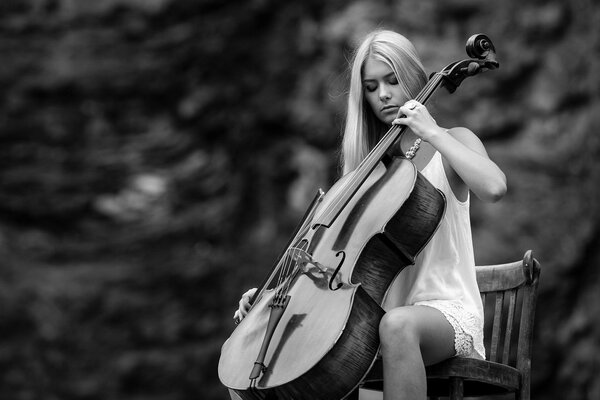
[384, 93]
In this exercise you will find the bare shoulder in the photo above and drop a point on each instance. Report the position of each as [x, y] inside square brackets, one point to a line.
[468, 138]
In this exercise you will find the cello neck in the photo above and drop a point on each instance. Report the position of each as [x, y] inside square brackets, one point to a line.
[369, 163]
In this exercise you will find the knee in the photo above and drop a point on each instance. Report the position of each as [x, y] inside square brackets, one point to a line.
[398, 330]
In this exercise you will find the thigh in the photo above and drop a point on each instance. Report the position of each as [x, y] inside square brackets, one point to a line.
[436, 335]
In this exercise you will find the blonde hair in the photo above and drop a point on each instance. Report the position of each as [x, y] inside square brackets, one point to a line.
[363, 129]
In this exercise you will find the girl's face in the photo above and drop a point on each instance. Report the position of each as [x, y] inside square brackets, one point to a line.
[382, 91]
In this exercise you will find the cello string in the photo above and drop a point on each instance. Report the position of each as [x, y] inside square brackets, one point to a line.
[296, 268]
[394, 133]
[288, 267]
[377, 152]
[291, 266]
[304, 225]
[279, 279]
[284, 262]
[285, 273]
[383, 144]
[279, 271]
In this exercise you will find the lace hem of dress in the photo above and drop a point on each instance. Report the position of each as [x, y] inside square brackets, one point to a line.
[468, 328]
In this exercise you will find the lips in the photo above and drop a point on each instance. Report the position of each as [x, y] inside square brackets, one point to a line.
[389, 107]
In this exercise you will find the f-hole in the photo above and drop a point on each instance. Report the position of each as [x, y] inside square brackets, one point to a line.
[339, 285]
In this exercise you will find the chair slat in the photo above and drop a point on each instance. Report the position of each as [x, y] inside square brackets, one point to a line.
[492, 278]
[496, 328]
[512, 301]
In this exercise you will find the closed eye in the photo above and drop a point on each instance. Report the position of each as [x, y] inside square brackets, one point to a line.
[370, 87]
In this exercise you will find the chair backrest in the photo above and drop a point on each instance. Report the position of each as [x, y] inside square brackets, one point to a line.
[509, 292]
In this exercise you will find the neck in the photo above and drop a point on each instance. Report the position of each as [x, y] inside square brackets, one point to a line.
[408, 139]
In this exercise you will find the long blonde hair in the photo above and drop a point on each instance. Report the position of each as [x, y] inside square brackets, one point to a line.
[363, 129]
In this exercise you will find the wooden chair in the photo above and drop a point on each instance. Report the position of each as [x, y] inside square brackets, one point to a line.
[508, 292]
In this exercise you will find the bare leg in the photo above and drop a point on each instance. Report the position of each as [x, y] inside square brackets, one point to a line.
[412, 337]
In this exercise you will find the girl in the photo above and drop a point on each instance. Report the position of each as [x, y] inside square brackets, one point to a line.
[434, 310]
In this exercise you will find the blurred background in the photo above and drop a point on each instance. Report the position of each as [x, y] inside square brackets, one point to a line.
[156, 154]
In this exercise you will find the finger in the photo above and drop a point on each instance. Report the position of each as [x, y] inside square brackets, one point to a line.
[406, 111]
[237, 318]
[399, 121]
[412, 104]
[245, 300]
[245, 306]
[243, 303]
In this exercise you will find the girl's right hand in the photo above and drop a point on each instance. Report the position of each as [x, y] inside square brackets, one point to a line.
[244, 306]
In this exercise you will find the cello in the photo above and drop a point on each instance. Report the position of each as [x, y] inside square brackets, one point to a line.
[312, 329]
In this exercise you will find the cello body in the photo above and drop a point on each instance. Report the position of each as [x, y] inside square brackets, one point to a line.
[326, 338]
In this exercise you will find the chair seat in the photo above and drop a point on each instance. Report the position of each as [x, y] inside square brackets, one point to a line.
[480, 377]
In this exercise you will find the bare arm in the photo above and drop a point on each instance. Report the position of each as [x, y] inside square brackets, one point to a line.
[470, 166]
[466, 162]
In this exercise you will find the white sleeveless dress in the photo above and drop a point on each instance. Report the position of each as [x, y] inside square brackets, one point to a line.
[443, 276]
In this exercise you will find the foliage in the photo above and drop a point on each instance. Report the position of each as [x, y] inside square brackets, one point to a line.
[156, 155]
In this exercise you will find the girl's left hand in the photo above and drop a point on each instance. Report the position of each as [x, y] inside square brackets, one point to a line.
[418, 119]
